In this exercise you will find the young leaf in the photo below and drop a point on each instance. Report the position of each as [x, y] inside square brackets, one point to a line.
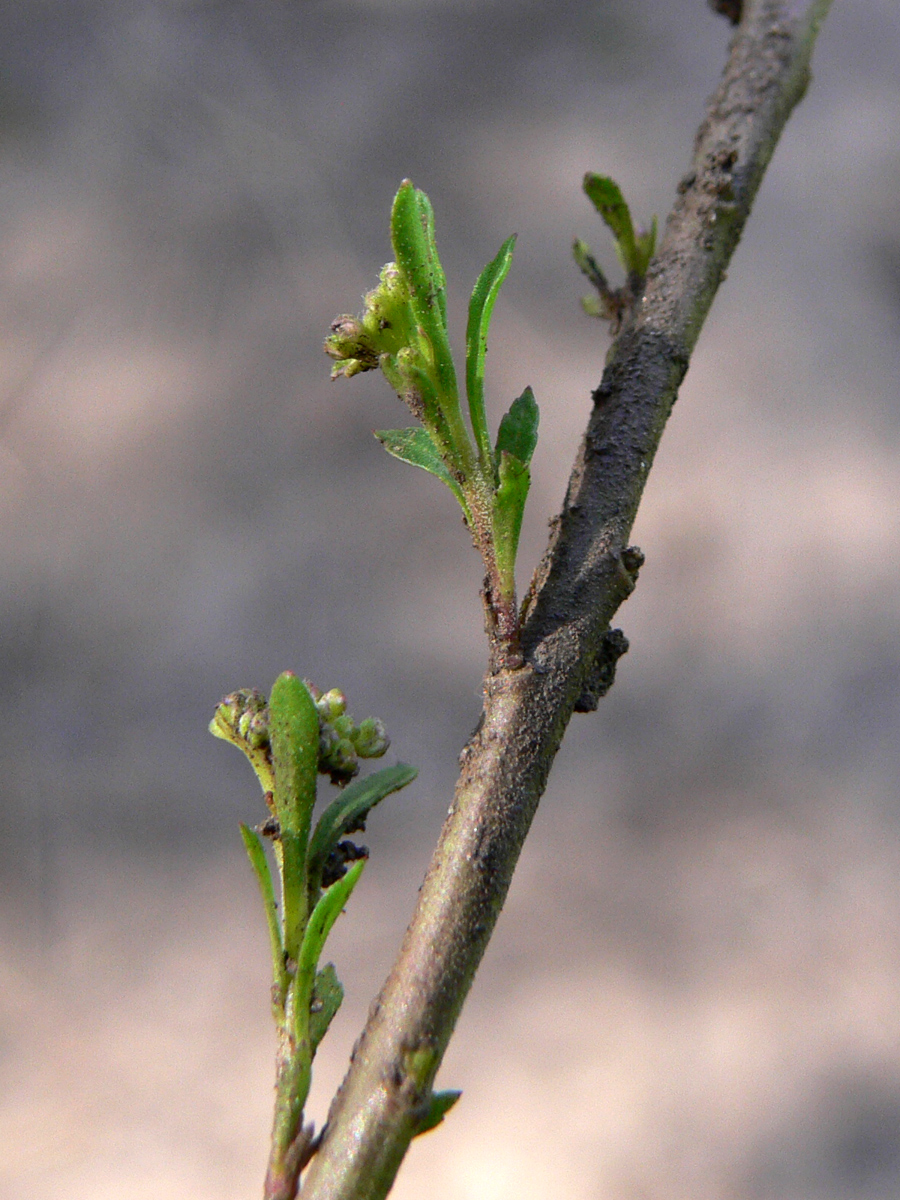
[326, 1000]
[481, 305]
[294, 733]
[416, 446]
[412, 235]
[346, 813]
[509, 505]
[587, 265]
[418, 391]
[439, 1104]
[518, 430]
[260, 864]
[317, 930]
[606, 196]
[646, 244]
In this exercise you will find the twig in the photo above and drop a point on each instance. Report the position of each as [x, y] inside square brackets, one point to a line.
[585, 575]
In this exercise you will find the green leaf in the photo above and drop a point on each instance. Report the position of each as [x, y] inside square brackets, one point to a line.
[606, 196]
[326, 1000]
[418, 391]
[417, 447]
[439, 1104]
[583, 256]
[412, 235]
[646, 244]
[294, 734]
[345, 813]
[518, 430]
[481, 305]
[323, 917]
[260, 864]
[509, 505]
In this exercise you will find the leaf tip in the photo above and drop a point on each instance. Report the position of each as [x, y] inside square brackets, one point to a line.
[438, 1105]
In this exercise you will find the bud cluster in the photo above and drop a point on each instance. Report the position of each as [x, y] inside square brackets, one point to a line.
[385, 327]
[246, 714]
[243, 718]
[342, 742]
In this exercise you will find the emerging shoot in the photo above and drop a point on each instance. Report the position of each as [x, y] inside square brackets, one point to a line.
[290, 739]
[403, 331]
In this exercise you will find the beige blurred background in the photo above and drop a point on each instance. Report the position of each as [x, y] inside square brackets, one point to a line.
[694, 992]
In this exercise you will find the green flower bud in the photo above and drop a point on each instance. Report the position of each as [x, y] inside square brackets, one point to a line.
[388, 317]
[232, 706]
[341, 762]
[242, 718]
[343, 725]
[341, 742]
[258, 730]
[331, 705]
[351, 346]
[238, 710]
[371, 739]
[328, 739]
[385, 327]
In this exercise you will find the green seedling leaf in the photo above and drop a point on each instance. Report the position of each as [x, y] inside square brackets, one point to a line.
[439, 1104]
[323, 917]
[606, 196]
[509, 505]
[326, 1000]
[345, 814]
[481, 306]
[518, 430]
[417, 447]
[294, 733]
[260, 864]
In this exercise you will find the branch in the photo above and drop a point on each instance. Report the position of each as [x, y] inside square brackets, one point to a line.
[586, 573]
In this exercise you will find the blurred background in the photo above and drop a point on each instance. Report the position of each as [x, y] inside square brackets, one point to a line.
[694, 990]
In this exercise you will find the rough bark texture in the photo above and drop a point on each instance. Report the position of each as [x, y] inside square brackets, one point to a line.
[586, 573]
